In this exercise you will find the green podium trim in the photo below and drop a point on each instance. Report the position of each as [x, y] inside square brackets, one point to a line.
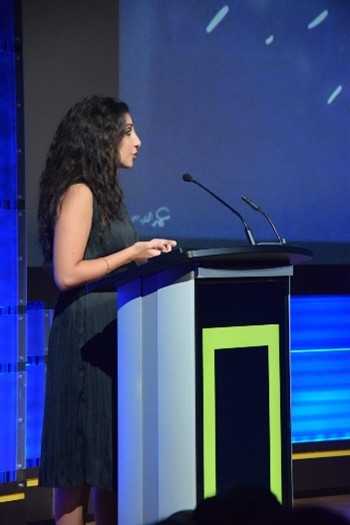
[220, 338]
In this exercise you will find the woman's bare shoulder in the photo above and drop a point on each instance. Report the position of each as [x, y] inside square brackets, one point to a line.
[79, 189]
[78, 192]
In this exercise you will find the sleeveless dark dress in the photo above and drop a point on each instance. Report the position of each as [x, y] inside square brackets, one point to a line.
[79, 433]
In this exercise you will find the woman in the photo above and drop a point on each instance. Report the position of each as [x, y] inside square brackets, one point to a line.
[85, 233]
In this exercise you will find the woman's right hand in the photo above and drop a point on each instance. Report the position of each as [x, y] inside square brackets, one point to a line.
[144, 250]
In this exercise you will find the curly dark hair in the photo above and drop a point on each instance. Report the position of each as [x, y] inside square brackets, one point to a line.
[84, 149]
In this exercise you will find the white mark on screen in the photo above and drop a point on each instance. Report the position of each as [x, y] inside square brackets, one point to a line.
[318, 20]
[269, 40]
[335, 93]
[155, 219]
[220, 15]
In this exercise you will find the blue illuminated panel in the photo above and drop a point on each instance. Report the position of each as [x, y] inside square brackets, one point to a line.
[9, 258]
[8, 426]
[320, 365]
[8, 137]
[35, 368]
[35, 329]
[8, 159]
[12, 381]
[8, 339]
[35, 409]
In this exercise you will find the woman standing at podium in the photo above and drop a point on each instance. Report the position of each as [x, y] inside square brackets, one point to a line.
[86, 234]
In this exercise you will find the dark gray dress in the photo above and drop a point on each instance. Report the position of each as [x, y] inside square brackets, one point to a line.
[79, 433]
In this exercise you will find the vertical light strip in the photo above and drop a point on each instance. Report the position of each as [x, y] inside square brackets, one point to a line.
[230, 338]
[210, 337]
[275, 412]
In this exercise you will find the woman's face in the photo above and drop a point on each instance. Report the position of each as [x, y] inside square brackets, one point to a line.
[129, 144]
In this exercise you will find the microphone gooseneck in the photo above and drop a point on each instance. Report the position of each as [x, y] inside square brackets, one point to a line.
[188, 178]
[258, 209]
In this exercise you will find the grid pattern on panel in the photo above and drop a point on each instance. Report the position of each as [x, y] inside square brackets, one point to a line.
[12, 241]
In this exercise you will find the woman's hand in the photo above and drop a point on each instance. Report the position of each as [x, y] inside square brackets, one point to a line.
[144, 250]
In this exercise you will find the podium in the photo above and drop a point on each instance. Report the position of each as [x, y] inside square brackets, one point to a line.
[203, 377]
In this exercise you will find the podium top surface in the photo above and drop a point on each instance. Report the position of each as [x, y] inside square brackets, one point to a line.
[235, 257]
[260, 255]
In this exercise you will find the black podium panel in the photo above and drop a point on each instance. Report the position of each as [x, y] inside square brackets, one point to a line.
[242, 428]
[243, 416]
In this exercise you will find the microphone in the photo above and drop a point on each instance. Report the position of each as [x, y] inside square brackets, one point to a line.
[188, 178]
[257, 208]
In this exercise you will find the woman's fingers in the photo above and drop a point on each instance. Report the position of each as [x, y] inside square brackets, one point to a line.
[163, 245]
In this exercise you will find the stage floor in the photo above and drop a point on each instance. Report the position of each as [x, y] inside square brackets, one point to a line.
[340, 503]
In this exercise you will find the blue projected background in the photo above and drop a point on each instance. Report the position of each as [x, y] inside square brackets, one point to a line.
[251, 98]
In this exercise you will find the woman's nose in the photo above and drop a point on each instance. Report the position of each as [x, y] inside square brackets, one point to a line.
[138, 141]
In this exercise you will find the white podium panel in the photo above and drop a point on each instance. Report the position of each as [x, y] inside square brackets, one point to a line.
[156, 399]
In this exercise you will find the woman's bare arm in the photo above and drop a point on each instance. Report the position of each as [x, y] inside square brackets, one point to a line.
[71, 235]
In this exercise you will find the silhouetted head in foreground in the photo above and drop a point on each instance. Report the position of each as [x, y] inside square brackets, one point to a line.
[183, 517]
[240, 505]
[249, 505]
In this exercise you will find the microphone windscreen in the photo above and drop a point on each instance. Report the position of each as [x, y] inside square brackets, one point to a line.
[187, 177]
